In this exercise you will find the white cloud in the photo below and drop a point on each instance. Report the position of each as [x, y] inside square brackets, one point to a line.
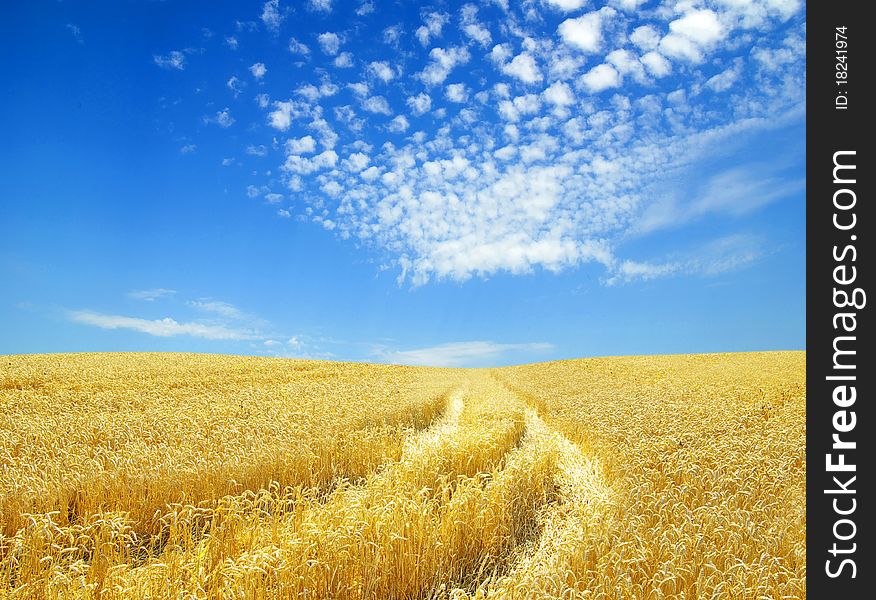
[324, 133]
[460, 354]
[304, 145]
[222, 118]
[500, 53]
[281, 117]
[321, 5]
[441, 63]
[626, 63]
[248, 26]
[599, 78]
[258, 70]
[344, 60]
[370, 174]
[472, 28]
[188, 149]
[346, 115]
[559, 94]
[260, 150]
[399, 124]
[775, 59]
[756, 14]
[284, 112]
[329, 42]
[356, 162]
[566, 5]
[151, 295]
[724, 80]
[231, 42]
[377, 104]
[382, 70]
[645, 37]
[527, 104]
[433, 23]
[523, 67]
[314, 93]
[628, 5]
[478, 33]
[420, 104]
[360, 89]
[296, 47]
[701, 26]
[300, 165]
[691, 35]
[656, 64]
[366, 8]
[392, 35]
[333, 189]
[235, 85]
[166, 327]
[271, 16]
[585, 32]
[457, 92]
[681, 48]
[172, 60]
[506, 152]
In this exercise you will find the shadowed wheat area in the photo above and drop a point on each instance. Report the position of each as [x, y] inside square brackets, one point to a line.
[196, 476]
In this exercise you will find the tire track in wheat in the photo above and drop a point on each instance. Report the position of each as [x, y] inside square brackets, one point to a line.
[583, 501]
[390, 536]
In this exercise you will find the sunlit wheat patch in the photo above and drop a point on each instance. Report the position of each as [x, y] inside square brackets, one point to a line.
[191, 476]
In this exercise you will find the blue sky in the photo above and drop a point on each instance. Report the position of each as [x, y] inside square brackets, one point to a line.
[460, 184]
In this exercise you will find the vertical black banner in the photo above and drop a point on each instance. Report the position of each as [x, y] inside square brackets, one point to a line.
[839, 362]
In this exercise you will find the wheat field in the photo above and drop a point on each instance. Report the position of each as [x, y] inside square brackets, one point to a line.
[197, 476]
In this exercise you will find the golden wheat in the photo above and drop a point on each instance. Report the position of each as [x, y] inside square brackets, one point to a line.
[190, 476]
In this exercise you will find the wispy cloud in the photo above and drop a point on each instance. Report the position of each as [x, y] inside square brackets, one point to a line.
[222, 118]
[732, 192]
[321, 5]
[175, 59]
[205, 318]
[220, 308]
[151, 295]
[462, 354]
[166, 327]
[76, 32]
[716, 257]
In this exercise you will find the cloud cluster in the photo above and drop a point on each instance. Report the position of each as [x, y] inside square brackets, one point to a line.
[510, 138]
